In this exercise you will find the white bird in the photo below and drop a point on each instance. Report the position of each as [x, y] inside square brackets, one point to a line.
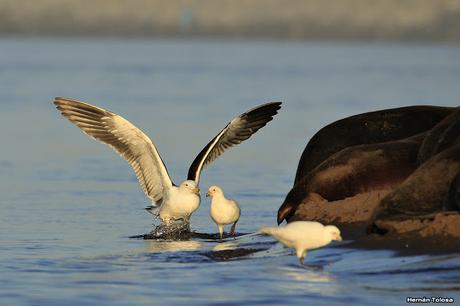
[223, 211]
[303, 236]
[169, 201]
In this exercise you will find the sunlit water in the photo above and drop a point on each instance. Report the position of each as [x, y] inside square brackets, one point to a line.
[69, 204]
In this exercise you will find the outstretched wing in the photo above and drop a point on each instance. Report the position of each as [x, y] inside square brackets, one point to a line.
[236, 131]
[129, 141]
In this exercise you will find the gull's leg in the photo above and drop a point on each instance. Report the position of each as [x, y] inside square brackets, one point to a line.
[186, 222]
[301, 255]
[232, 231]
[301, 260]
[221, 231]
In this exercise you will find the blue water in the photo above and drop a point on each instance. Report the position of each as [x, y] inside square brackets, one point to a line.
[69, 204]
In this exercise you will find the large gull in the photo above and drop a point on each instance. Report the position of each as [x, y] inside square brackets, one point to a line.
[169, 201]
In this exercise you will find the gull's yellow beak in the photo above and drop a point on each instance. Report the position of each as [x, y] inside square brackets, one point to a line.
[196, 190]
[339, 238]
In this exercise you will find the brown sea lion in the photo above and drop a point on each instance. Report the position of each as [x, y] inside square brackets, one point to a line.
[453, 198]
[433, 187]
[356, 170]
[368, 128]
[424, 193]
[441, 136]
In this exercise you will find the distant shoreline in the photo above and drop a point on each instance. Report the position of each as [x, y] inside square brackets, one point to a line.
[366, 40]
[363, 20]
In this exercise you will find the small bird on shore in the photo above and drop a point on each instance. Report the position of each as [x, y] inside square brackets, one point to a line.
[303, 236]
[223, 211]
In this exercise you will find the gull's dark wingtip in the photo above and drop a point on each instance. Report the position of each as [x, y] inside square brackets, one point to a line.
[278, 105]
[273, 105]
[273, 102]
[269, 109]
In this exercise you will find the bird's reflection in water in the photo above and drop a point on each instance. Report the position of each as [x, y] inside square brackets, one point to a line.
[155, 246]
[227, 245]
[252, 241]
[307, 274]
[309, 279]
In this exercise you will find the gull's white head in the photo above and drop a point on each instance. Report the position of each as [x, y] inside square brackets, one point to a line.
[191, 186]
[333, 232]
[214, 190]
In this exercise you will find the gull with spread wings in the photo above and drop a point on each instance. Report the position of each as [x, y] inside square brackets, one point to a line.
[170, 201]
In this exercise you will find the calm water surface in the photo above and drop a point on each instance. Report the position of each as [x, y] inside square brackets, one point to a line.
[69, 204]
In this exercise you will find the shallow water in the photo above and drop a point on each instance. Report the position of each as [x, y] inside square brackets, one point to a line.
[69, 204]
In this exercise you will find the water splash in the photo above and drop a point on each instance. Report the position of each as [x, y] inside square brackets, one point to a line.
[175, 230]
